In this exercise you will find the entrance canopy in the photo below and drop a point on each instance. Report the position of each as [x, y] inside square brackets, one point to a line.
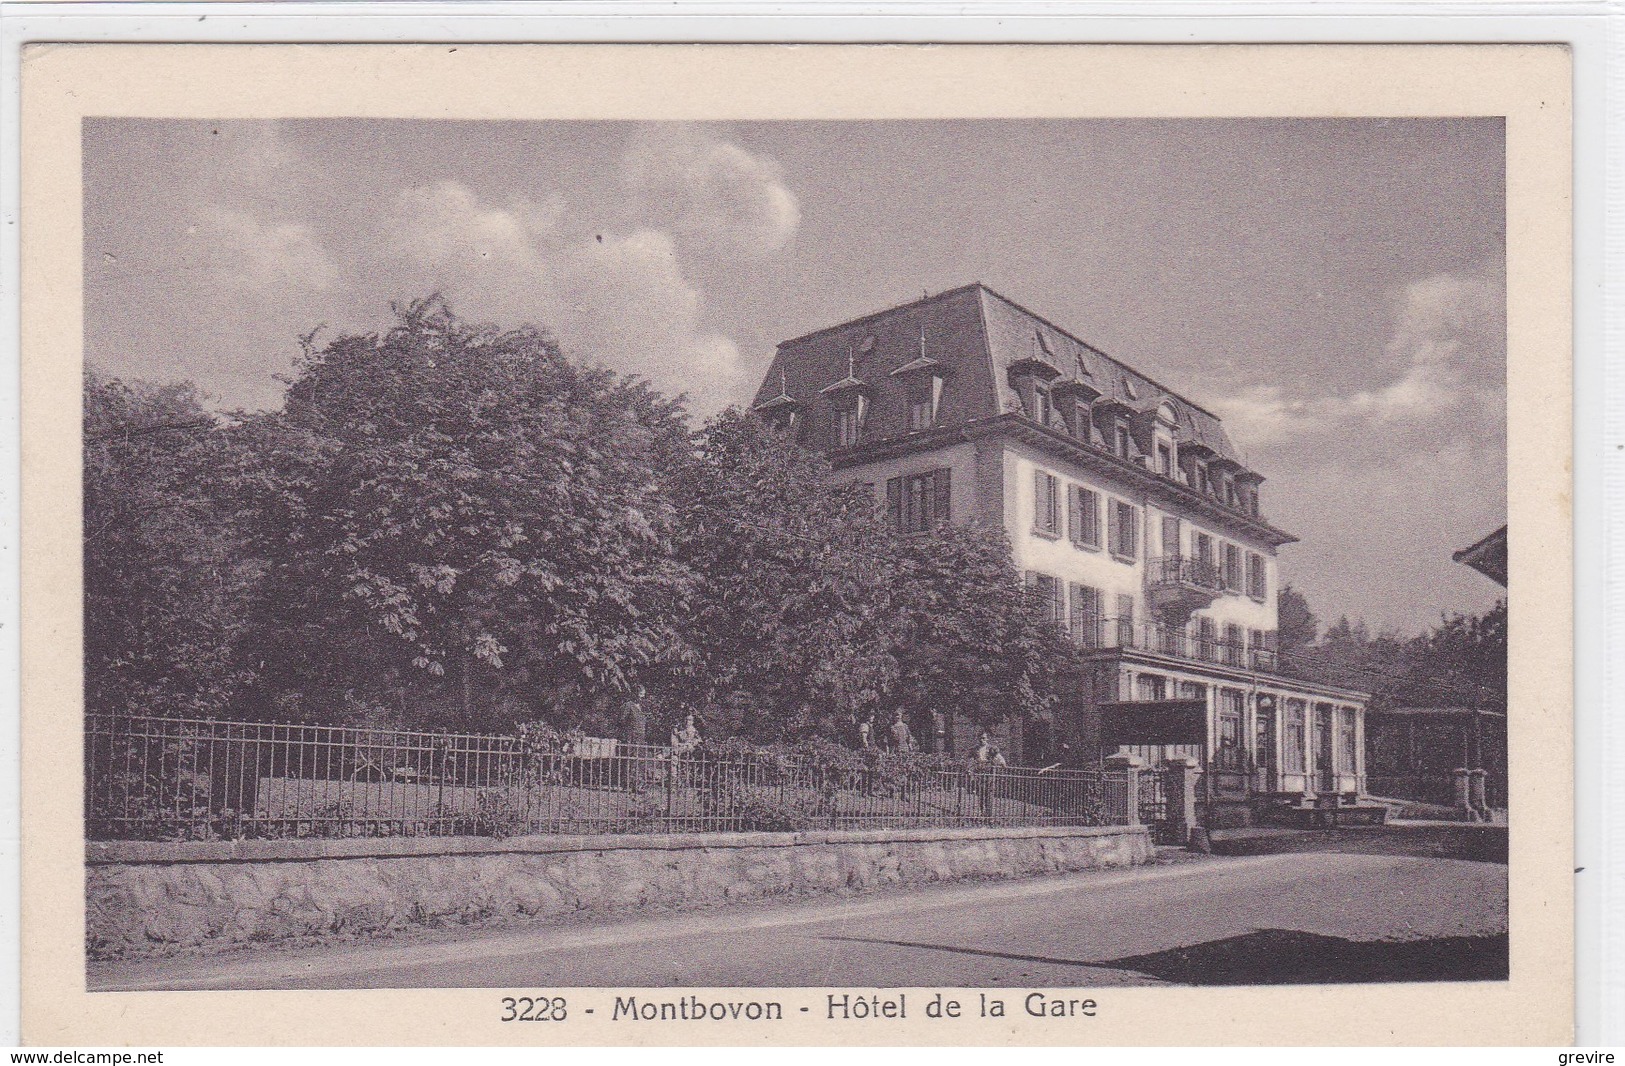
[1143, 722]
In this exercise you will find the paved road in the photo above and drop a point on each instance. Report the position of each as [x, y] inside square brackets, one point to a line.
[1298, 918]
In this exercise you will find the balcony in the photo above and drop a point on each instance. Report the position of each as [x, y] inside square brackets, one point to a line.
[1179, 584]
[1174, 642]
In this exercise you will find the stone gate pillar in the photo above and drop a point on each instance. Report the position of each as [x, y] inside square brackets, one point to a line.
[1179, 788]
[1130, 765]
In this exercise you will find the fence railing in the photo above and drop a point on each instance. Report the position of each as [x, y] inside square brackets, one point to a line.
[186, 779]
[1186, 570]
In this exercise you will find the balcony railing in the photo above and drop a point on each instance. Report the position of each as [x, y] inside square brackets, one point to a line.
[1172, 641]
[1184, 570]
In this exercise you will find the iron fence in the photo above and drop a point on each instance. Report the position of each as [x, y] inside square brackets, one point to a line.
[186, 779]
[1185, 570]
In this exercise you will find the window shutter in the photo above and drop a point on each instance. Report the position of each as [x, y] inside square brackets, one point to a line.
[1132, 549]
[1113, 520]
[1085, 615]
[1170, 536]
[943, 512]
[1038, 499]
[894, 501]
[1074, 514]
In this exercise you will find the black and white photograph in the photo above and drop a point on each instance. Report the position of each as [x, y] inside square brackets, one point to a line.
[690, 558]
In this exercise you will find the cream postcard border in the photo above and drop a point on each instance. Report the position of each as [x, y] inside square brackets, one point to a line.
[1530, 85]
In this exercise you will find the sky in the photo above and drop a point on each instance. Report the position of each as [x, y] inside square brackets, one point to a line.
[1333, 288]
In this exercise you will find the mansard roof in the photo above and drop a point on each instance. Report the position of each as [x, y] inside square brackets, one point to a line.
[975, 336]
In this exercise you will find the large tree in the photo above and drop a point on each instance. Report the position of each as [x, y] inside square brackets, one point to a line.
[969, 639]
[790, 621]
[811, 610]
[163, 568]
[459, 523]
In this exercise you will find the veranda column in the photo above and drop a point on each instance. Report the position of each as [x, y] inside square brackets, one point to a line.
[1359, 750]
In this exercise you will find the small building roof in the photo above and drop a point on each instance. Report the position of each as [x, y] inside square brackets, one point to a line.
[1487, 556]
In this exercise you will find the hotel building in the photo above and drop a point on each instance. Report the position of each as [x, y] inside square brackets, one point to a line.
[1129, 511]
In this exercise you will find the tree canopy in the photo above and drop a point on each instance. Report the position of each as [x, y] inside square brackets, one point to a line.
[451, 524]
[164, 567]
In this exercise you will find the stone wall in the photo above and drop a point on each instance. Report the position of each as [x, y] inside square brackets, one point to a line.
[143, 898]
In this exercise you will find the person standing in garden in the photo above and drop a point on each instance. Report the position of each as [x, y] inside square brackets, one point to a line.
[901, 736]
[686, 737]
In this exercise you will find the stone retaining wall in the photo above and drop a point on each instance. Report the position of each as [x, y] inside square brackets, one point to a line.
[142, 898]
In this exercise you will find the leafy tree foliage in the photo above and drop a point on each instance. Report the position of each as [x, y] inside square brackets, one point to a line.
[164, 570]
[968, 639]
[448, 524]
[456, 518]
[1297, 626]
[794, 578]
[1461, 662]
[811, 611]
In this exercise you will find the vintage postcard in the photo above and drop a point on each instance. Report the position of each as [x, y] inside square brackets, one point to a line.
[844, 545]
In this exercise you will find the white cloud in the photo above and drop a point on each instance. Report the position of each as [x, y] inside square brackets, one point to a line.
[1447, 352]
[618, 299]
[243, 251]
[711, 190]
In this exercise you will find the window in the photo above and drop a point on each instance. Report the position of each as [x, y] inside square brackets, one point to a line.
[924, 402]
[1292, 738]
[1348, 735]
[1192, 690]
[1207, 640]
[1203, 485]
[1086, 616]
[1257, 582]
[1204, 549]
[918, 502]
[1125, 620]
[1048, 591]
[1083, 516]
[1123, 532]
[1046, 504]
[1231, 702]
[1229, 491]
[1041, 404]
[1233, 648]
[1165, 459]
[1153, 687]
[1258, 647]
[1120, 439]
[1232, 568]
[849, 422]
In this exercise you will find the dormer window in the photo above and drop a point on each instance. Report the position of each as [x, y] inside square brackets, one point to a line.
[925, 402]
[782, 412]
[1032, 378]
[1165, 459]
[849, 420]
[1120, 438]
[1041, 407]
